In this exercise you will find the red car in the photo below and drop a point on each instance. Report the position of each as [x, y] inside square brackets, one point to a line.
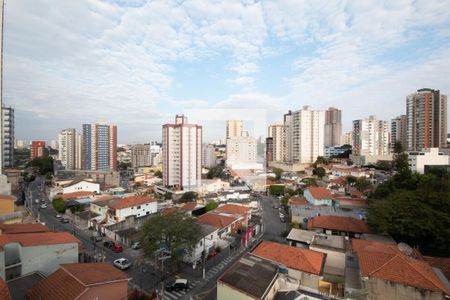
[212, 254]
[117, 248]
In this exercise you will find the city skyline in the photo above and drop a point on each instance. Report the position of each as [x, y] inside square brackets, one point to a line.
[138, 64]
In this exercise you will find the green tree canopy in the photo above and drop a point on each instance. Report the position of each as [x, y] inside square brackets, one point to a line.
[211, 205]
[362, 184]
[319, 172]
[309, 181]
[59, 205]
[175, 231]
[278, 172]
[276, 189]
[216, 171]
[321, 160]
[158, 174]
[188, 197]
[42, 165]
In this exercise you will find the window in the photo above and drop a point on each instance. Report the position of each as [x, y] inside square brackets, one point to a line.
[139, 207]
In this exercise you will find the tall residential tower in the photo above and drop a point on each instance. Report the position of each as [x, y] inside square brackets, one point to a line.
[370, 137]
[99, 147]
[333, 127]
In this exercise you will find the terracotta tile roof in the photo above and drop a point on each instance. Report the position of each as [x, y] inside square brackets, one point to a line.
[105, 200]
[8, 197]
[297, 200]
[125, 202]
[442, 263]
[292, 257]
[59, 285]
[338, 223]
[233, 209]
[4, 291]
[215, 220]
[341, 180]
[75, 195]
[387, 262]
[22, 228]
[351, 201]
[320, 193]
[356, 194]
[38, 239]
[94, 273]
[168, 211]
[188, 206]
[72, 280]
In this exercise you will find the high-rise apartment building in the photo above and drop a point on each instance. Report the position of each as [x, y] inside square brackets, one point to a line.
[347, 138]
[426, 112]
[234, 128]
[398, 131]
[8, 137]
[333, 127]
[68, 145]
[269, 150]
[99, 147]
[37, 149]
[140, 155]
[306, 136]
[155, 153]
[182, 154]
[241, 151]
[280, 142]
[370, 137]
[209, 156]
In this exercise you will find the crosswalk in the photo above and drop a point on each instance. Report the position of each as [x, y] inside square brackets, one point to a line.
[174, 295]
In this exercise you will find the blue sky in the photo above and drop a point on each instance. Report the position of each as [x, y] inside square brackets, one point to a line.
[138, 63]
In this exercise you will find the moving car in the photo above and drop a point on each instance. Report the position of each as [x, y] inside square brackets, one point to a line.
[58, 216]
[43, 205]
[177, 285]
[117, 248]
[136, 245]
[108, 244]
[122, 263]
[65, 220]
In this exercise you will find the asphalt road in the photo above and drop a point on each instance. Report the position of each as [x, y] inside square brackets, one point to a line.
[273, 227]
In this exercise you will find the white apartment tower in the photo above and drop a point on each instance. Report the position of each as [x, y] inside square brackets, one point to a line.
[234, 128]
[426, 112]
[182, 154]
[68, 148]
[333, 127]
[398, 131]
[370, 137]
[8, 136]
[280, 142]
[306, 136]
[209, 156]
[241, 151]
[140, 156]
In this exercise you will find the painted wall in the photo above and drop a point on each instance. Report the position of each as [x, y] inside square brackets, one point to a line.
[138, 210]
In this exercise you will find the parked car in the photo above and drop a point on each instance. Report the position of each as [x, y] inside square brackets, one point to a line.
[65, 220]
[122, 263]
[58, 216]
[97, 238]
[117, 248]
[108, 244]
[212, 254]
[136, 245]
[43, 205]
[275, 206]
[177, 285]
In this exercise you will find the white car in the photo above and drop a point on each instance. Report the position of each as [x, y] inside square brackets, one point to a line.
[122, 263]
[43, 205]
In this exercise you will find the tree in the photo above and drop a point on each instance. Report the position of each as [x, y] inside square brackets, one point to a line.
[211, 205]
[309, 181]
[319, 172]
[349, 162]
[188, 197]
[362, 184]
[351, 180]
[383, 165]
[158, 174]
[59, 205]
[278, 172]
[216, 171]
[168, 196]
[177, 232]
[276, 189]
[321, 160]
[42, 165]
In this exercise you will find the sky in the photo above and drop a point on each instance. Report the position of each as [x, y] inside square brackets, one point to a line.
[138, 63]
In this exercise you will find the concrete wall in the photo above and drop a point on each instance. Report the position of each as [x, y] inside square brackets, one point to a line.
[116, 290]
[144, 209]
[46, 259]
[379, 289]
[224, 292]
[84, 186]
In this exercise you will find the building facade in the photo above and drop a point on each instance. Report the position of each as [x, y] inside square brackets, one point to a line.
[279, 134]
[306, 136]
[37, 149]
[241, 151]
[333, 127]
[140, 156]
[431, 157]
[8, 136]
[234, 128]
[370, 137]
[182, 154]
[68, 149]
[426, 112]
[347, 138]
[99, 147]
[209, 156]
[398, 131]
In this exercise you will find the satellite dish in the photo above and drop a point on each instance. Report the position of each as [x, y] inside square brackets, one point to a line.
[405, 249]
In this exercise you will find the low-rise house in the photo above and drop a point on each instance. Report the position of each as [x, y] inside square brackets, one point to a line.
[193, 208]
[82, 282]
[347, 171]
[214, 185]
[300, 214]
[300, 238]
[227, 226]
[335, 225]
[236, 209]
[207, 243]
[394, 272]
[297, 200]
[28, 248]
[77, 195]
[77, 185]
[335, 248]
[249, 278]
[350, 202]
[319, 196]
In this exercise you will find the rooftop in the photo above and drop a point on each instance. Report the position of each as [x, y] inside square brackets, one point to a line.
[19, 286]
[4, 291]
[333, 242]
[71, 280]
[298, 200]
[389, 262]
[347, 224]
[300, 235]
[320, 193]
[75, 195]
[126, 202]
[250, 275]
[7, 197]
[38, 238]
[22, 228]
[308, 261]
[168, 210]
[188, 206]
[233, 209]
[216, 220]
[442, 263]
